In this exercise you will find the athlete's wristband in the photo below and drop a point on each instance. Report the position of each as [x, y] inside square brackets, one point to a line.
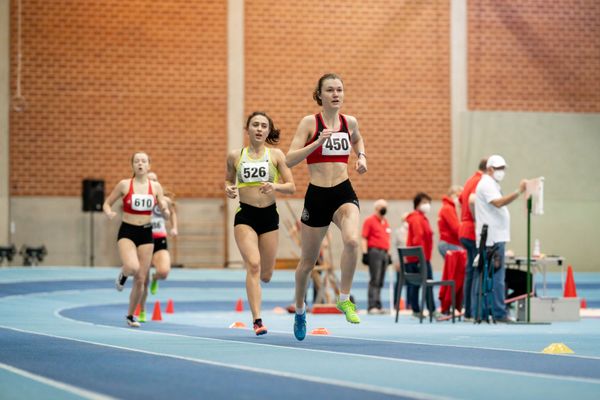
[362, 153]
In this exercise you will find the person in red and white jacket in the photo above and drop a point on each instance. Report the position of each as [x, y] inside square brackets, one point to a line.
[448, 222]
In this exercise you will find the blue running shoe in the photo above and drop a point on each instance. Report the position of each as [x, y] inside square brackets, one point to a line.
[300, 326]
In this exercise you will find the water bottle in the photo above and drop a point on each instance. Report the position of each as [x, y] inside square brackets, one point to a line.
[536, 248]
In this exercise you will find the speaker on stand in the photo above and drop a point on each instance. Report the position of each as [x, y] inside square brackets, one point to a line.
[92, 196]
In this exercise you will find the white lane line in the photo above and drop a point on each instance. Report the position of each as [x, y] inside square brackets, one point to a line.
[326, 381]
[400, 360]
[59, 385]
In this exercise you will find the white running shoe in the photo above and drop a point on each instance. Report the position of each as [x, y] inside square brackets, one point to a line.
[132, 322]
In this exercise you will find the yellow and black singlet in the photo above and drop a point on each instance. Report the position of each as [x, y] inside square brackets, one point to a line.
[253, 172]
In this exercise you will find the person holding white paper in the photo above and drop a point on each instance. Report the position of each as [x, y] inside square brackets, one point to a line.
[491, 210]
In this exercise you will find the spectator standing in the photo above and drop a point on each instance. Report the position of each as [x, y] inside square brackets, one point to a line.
[376, 246]
[466, 231]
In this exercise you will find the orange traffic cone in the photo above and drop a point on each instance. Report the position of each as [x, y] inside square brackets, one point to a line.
[170, 307]
[583, 303]
[239, 306]
[138, 308]
[156, 314]
[402, 304]
[570, 290]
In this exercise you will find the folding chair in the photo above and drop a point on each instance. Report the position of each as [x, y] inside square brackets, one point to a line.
[419, 279]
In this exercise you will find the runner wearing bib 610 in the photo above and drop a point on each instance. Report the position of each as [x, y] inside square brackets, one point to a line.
[134, 240]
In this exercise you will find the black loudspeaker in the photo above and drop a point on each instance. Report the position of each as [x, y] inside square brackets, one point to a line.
[93, 195]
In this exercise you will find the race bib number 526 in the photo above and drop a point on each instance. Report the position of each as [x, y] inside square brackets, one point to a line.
[255, 172]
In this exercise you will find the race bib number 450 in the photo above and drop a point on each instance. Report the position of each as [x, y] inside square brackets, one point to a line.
[337, 145]
[255, 172]
[142, 202]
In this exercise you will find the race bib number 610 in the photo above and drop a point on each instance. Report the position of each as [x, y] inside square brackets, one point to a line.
[142, 202]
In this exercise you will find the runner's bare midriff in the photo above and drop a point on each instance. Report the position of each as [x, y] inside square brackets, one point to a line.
[328, 174]
[135, 219]
[251, 195]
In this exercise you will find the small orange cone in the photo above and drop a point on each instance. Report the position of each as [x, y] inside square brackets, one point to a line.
[583, 303]
[402, 304]
[570, 289]
[237, 325]
[138, 308]
[319, 331]
[239, 306]
[156, 314]
[170, 307]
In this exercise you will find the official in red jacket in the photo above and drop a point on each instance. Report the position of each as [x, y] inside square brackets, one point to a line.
[420, 234]
[466, 231]
[448, 222]
[376, 245]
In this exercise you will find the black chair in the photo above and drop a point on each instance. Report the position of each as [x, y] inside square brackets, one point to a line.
[419, 279]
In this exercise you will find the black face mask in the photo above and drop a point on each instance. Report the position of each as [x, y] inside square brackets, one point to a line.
[382, 211]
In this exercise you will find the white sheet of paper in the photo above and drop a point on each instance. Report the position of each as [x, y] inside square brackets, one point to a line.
[535, 188]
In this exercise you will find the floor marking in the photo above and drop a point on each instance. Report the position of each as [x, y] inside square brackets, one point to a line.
[429, 363]
[59, 385]
[333, 382]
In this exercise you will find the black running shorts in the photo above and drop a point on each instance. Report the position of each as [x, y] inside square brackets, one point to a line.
[320, 203]
[262, 220]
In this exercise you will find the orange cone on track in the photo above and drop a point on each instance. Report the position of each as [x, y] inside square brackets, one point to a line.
[170, 307]
[238, 325]
[138, 308]
[570, 289]
[583, 303]
[239, 306]
[156, 314]
[319, 331]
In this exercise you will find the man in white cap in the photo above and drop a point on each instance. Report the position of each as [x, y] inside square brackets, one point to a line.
[491, 210]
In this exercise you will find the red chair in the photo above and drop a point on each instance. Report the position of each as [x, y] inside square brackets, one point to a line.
[455, 263]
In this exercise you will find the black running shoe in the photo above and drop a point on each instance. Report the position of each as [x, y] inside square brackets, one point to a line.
[120, 282]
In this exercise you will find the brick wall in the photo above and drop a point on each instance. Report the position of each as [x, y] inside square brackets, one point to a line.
[394, 59]
[534, 55]
[101, 80]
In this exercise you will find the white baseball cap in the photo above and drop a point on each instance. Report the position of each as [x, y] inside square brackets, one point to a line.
[496, 161]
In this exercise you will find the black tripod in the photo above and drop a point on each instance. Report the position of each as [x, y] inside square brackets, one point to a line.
[485, 296]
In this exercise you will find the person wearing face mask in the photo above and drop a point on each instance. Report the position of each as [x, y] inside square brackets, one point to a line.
[448, 222]
[375, 246]
[491, 210]
[466, 231]
[420, 234]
